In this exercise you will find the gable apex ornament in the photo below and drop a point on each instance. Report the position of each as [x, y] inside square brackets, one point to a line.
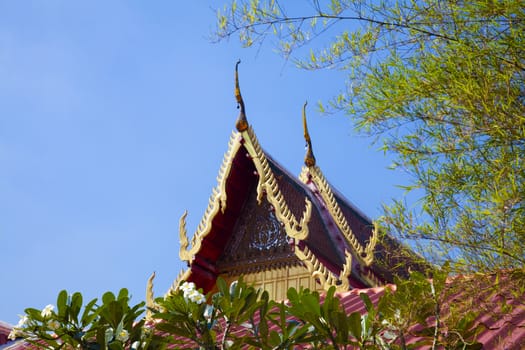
[309, 158]
[242, 122]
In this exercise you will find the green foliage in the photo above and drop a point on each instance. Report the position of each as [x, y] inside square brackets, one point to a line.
[441, 85]
[239, 315]
[112, 325]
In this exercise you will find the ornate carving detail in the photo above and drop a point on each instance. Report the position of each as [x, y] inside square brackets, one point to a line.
[267, 184]
[267, 235]
[150, 299]
[325, 277]
[183, 276]
[278, 260]
[259, 241]
[371, 278]
[217, 200]
[233, 147]
[364, 254]
[303, 176]
[370, 246]
[184, 254]
[345, 273]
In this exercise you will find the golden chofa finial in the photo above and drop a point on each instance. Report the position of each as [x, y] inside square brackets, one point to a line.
[309, 158]
[242, 122]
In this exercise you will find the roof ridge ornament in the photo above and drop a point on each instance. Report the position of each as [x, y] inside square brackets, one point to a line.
[322, 274]
[309, 158]
[150, 298]
[242, 123]
[365, 254]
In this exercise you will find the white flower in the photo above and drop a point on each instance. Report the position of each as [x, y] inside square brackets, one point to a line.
[18, 330]
[47, 311]
[195, 296]
[13, 334]
[190, 292]
[22, 321]
[53, 325]
[123, 335]
[187, 287]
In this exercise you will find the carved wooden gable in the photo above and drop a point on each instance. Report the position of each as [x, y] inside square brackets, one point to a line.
[280, 231]
[258, 242]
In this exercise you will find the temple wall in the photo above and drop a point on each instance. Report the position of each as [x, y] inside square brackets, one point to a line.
[277, 281]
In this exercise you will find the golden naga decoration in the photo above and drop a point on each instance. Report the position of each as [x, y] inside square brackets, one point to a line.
[184, 254]
[203, 229]
[217, 201]
[325, 277]
[370, 246]
[233, 147]
[364, 254]
[150, 299]
[267, 185]
[372, 279]
[182, 277]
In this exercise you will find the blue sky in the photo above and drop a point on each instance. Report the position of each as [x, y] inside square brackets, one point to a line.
[114, 118]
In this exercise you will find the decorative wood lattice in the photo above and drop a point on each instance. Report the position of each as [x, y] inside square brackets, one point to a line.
[259, 241]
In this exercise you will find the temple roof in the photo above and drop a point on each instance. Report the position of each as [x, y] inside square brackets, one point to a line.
[314, 225]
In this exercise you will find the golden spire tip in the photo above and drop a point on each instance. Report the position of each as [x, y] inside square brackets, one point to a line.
[242, 122]
[309, 159]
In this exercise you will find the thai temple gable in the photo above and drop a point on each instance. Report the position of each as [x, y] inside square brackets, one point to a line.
[276, 229]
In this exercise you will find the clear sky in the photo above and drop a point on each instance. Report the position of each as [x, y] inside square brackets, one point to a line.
[114, 118]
